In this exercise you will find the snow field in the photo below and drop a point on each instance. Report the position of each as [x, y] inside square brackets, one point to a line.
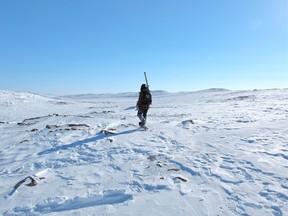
[213, 152]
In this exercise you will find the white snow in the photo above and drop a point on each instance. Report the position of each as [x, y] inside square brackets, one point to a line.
[213, 152]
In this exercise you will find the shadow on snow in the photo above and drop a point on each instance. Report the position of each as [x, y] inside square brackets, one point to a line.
[99, 136]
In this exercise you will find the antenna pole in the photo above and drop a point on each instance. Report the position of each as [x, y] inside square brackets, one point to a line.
[146, 79]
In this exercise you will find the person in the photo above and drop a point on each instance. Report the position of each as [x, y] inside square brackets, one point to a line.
[143, 104]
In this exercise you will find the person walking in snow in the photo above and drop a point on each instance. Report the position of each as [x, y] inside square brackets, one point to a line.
[143, 104]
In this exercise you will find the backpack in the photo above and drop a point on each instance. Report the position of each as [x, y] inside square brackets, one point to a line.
[146, 97]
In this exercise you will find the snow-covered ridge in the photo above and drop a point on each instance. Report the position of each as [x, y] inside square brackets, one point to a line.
[85, 97]
[13, 95]
[8, 95]
[212, 152]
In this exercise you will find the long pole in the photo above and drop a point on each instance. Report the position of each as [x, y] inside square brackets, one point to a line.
[146, 79]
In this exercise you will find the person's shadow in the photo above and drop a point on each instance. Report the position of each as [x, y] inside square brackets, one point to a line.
[99, 136]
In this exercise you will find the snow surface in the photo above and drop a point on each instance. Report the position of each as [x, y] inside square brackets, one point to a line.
[213, 152]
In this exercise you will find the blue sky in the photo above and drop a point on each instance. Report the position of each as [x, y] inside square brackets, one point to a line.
[100, 46]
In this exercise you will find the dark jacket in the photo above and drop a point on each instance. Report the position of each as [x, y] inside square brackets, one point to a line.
[145, 98]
